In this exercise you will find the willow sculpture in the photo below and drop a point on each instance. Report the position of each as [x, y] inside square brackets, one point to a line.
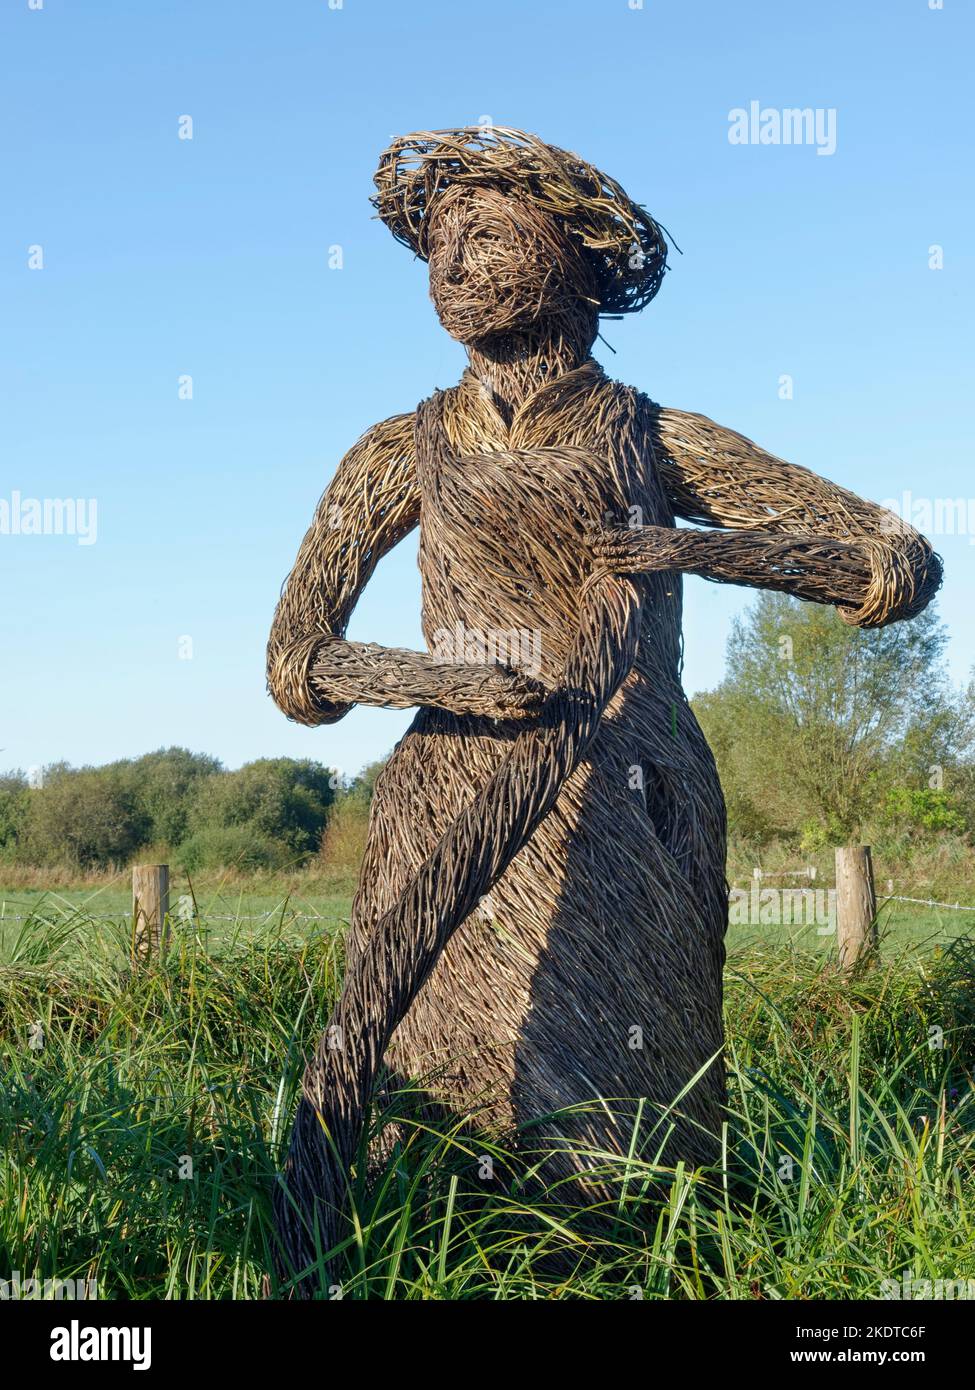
[545, 867]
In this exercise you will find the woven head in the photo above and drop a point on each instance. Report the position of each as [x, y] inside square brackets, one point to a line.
[516, 230]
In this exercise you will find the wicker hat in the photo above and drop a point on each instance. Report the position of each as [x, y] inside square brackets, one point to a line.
[629, 248]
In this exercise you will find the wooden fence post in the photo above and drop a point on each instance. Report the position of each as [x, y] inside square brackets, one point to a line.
[150, 910]
[856, 906]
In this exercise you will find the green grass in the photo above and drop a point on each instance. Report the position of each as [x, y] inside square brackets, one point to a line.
[900, 925]
[307, 907]
[221, 906]
[850, 1143]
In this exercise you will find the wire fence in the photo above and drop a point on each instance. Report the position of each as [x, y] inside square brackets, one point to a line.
[198, 914]
[176, 916]
[929, 902]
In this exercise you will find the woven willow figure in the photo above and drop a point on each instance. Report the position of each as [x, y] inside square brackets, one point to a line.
[545, 864]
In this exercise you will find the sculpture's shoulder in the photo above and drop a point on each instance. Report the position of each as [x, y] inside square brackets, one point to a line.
[635, 445]
[626, 411]
[637, 404]
[382, 459]
[394, 435]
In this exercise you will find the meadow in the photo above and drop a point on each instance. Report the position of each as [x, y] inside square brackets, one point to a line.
[315, 897]
[143, 1113]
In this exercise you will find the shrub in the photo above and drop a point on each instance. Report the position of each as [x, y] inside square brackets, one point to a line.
[915, 809]
[344, 841]
[230, 847]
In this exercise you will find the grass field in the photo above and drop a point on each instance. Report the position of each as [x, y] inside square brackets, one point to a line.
[306, 905]
[142, 1116]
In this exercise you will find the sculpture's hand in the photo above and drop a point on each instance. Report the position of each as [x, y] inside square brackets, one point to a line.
[498, 692]
[635, 549]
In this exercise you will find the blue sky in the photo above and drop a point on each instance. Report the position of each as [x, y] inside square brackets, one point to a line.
[209, 257]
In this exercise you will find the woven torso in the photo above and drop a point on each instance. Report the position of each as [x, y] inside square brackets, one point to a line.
[635, 843]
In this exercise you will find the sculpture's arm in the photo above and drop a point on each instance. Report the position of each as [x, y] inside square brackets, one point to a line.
[314, 674]
[808, 567]
[784, 527]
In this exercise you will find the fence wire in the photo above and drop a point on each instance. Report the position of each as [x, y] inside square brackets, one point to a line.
[316, 917]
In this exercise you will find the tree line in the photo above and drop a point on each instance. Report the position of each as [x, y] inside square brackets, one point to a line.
[268, 814]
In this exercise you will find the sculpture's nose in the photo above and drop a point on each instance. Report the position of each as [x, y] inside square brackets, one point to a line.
[452, 260]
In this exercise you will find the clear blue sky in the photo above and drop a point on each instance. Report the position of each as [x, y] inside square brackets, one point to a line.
[209, 257]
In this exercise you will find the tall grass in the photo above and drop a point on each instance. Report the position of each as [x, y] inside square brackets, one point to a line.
[142, 1118]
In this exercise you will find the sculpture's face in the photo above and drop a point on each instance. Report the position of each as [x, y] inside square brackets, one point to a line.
[499, 265]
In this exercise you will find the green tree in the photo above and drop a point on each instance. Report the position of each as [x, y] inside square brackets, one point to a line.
[281, 799]
[816, 720]
[86, 816]
[165, 783]
[14, 804]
